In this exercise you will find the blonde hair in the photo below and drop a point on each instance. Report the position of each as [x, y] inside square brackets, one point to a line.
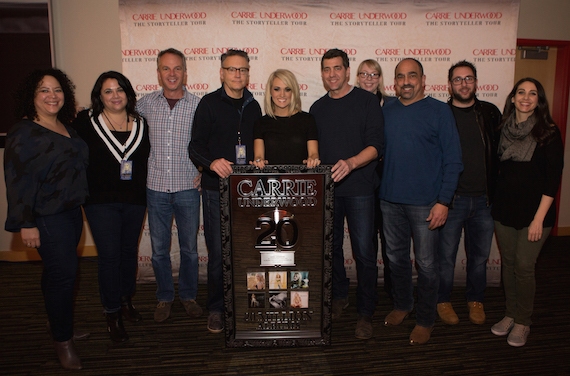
[290, 81]
[372, 64]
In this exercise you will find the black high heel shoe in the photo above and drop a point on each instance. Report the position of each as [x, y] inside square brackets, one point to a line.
[115, 327]
[129, 311]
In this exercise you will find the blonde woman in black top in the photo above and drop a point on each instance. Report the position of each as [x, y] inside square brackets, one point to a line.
[286, 134]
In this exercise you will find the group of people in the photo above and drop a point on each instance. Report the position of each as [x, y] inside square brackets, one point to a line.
[55, 162]
[449, 169]
[403, 166]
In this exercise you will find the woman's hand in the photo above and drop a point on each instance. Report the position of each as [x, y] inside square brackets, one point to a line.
[312, 162]
[31, 237]
[535, 231]
[259, 163]
[535, 227]
[259, 153]
[312, 154]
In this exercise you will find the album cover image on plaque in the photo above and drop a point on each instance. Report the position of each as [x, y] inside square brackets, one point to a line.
[278, 299]
[300, 299]
[299, 280]
[256, 281]
[277, 280]
[277, 234]
[256, 299]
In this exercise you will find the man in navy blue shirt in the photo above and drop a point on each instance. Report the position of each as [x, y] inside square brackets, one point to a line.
[422, 163]
[350, 130]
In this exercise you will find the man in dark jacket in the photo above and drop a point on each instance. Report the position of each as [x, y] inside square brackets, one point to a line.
[222, 135]
[477, 122]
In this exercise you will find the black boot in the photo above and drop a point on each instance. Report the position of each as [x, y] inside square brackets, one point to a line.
[129, 311]
[115, 327]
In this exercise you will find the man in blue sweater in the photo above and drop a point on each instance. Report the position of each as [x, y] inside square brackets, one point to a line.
[350, 130]
[422, 163]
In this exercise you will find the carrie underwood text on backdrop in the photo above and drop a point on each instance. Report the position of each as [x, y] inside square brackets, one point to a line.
[295, 34]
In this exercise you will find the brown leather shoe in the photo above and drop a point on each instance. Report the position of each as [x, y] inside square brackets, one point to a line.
[338, 305]
[364, 329]
[420, 335]
[162, 311]
[447, 314]
[395, 318]
[476, 313]
[192, 308]
[67, 354]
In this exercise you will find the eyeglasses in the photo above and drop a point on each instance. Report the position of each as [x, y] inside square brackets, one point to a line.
[468, 80]
[233, 70]
[373, 76]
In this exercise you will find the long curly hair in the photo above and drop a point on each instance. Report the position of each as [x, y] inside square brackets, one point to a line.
[26, 93]
[543, 128]
[124, 83]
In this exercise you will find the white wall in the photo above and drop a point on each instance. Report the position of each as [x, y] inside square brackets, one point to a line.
[544, 19]
[87, 41]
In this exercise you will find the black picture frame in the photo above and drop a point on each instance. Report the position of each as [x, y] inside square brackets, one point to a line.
[309, 203]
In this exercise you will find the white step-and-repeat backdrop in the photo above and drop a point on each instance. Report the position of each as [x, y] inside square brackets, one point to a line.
[295, 34]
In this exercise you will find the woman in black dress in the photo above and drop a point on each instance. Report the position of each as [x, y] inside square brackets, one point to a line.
[286, 134]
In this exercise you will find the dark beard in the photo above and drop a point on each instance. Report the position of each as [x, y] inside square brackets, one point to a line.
[464, 101]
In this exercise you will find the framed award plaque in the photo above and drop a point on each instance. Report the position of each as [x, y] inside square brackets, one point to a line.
[277, 232]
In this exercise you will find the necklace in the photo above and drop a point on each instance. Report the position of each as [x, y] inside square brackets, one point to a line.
[119, 125]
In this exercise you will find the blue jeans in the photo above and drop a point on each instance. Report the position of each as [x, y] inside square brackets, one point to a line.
[379, 229]
[400, 223]
[116, 229]
[185, 206]
[473, 215]
[59, 237]
[359, 213]
[213, 235]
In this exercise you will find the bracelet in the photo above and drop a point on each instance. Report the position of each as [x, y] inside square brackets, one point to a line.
[258, 160]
